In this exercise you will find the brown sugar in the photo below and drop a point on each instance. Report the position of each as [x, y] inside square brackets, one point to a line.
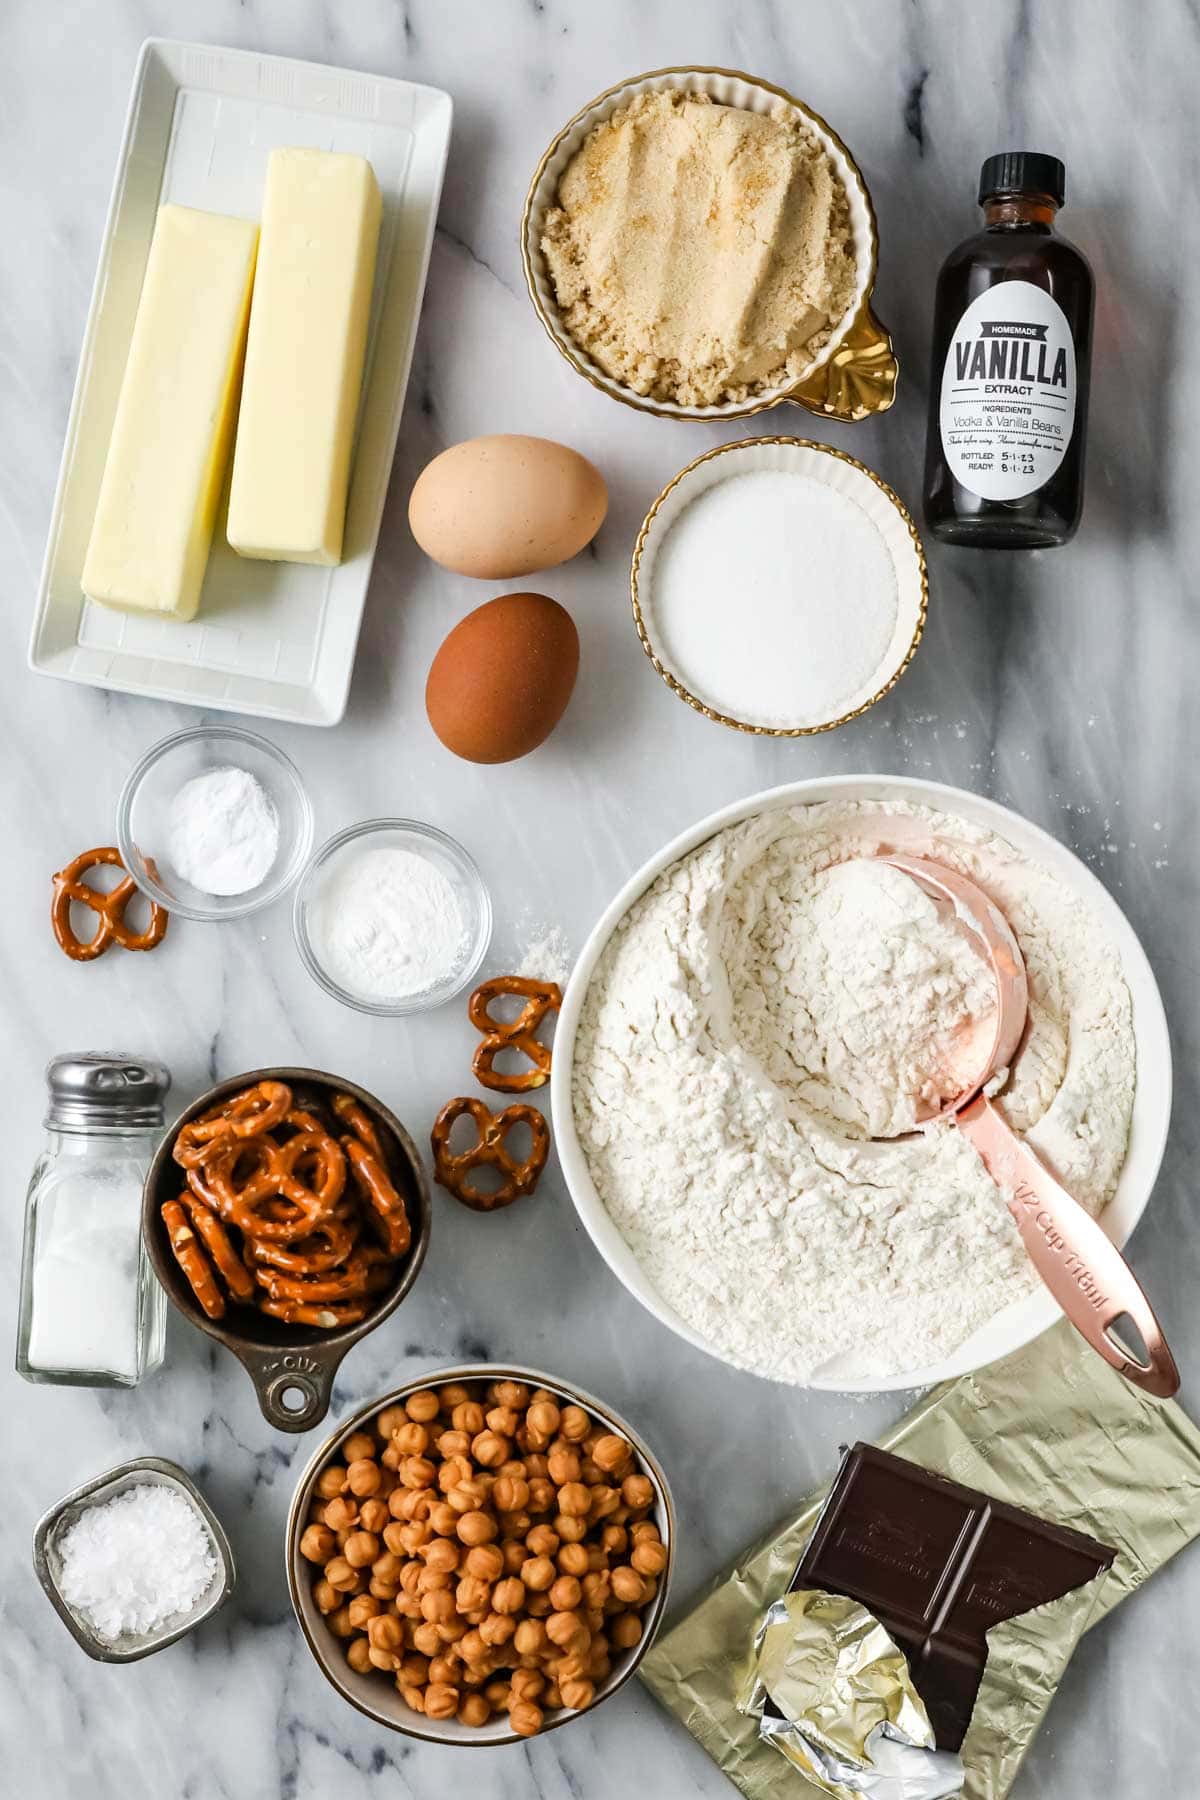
[701, 253]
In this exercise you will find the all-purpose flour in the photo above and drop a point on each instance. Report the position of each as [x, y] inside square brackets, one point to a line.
[853, 991]
[761, 1017]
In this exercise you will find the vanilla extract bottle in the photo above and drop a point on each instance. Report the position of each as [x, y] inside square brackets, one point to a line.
[1010, 369]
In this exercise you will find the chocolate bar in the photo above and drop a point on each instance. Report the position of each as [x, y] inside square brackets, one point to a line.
[938, 1565]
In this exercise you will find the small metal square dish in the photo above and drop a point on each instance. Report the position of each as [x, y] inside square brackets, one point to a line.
[142, 1471]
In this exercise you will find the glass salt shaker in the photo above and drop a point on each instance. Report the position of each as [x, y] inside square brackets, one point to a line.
[92, 1313]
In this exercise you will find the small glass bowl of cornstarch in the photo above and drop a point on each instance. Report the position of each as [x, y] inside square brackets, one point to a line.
[133, 1560]
[779, 587]
[392, 917]
[214, 822]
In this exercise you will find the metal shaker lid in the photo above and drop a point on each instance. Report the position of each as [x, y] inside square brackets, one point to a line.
[99, 1090]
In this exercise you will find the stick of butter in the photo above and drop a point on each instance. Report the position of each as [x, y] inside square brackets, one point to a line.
[173, 427]
[304, 357]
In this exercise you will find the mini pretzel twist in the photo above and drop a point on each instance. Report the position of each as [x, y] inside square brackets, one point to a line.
[219, 1245]
[453, 1170]
[325, 1315]
[357, 1120]
[309, 1171]
[361, 1275]
[541, 999]
[109, 909]
[327, 1247]
[245, 1115]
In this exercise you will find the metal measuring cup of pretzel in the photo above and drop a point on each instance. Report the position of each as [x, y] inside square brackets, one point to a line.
[287, 1214]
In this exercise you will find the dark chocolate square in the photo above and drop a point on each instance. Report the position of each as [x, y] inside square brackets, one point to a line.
[938, 1565]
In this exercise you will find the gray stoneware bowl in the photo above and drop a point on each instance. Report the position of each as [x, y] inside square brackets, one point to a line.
[292, 1366]
[374, 1694]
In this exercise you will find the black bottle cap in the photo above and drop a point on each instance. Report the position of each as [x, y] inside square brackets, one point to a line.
[1023, 172]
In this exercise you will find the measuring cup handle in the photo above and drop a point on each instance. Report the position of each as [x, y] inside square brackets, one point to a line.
[1080, 1265]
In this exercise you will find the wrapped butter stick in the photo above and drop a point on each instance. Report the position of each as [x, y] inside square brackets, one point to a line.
[833, 1693]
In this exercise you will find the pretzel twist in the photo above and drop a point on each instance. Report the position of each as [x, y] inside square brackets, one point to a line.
[453, 1170]
[326, 1316]
[246, 1115]
[359, 1123]
[360, 1275]
[305, 1256]
[541, 999]
[109, 909]
[282, 1175]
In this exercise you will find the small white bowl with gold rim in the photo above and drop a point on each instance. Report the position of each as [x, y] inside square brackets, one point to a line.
[852, 376]
[708, 684]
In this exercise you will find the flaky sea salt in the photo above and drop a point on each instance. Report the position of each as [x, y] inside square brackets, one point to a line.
[137, 1561]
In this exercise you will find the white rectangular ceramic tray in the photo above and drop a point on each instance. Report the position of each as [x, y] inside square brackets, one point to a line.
[272, 639]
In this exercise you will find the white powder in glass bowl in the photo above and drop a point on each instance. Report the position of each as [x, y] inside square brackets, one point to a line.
[386, 923]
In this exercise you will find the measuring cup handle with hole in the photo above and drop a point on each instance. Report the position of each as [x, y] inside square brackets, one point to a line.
[1080, 1265]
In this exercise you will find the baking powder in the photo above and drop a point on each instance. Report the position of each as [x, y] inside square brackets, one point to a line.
[774, 599]
[759, 1015]
[386, 923]
[222, 832]
[136, 1561]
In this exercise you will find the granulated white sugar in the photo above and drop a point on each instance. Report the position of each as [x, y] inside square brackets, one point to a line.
[774, 600]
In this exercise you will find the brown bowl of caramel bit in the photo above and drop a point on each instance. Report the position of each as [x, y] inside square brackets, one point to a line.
[480, 1555]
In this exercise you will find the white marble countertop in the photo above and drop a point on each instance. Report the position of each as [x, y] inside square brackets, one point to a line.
[1058, 682]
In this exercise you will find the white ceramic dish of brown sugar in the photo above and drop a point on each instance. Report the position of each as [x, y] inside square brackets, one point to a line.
[1023, 1320]
[855, 372]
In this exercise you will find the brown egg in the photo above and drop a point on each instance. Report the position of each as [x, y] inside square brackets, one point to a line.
[501, 680]
[497, 507]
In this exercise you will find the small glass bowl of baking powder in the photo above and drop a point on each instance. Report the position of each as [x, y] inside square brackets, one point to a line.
[214, 822]
[392, 916]
[120, 1566]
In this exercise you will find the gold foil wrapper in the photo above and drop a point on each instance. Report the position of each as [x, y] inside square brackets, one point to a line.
[1051, 1428]
[847, 1699]
[831, 1667]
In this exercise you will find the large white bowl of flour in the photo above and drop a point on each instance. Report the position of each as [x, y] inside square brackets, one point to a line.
[724, 1062]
